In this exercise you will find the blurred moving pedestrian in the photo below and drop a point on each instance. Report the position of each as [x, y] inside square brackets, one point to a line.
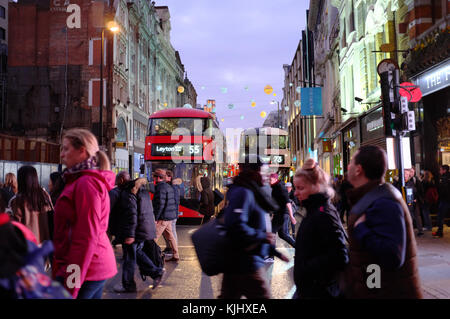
[380, 232]
[165, 209]
[206, 200]
[137, 224]
[430, 197]
[320, 249]
[295, 204]
[284, 215]
[246, 221]
[444, 199]
[82, 215]
[32, 204]
[22, 273]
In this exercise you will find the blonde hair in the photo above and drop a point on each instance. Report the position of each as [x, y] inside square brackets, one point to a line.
[313, 174]
[11, 180]
[80, 137]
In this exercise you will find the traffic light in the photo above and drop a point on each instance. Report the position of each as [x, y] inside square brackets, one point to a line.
[387, 97]
[408, 117]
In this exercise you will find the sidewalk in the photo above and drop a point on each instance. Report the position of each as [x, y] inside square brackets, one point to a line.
[434, 265]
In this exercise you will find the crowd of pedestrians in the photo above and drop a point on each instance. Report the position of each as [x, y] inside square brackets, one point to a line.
[338, 230]
[72, 226]
[347, 227]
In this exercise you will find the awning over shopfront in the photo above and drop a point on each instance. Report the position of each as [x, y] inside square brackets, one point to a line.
[340, 127]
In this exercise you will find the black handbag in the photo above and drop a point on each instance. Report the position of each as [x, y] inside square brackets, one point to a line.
[211, 244]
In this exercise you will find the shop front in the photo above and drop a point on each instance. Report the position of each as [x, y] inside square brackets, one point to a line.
[350, 141]
[432, 139]
[372, 128]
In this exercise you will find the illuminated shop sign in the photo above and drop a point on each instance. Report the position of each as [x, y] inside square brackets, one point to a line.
[434, 79]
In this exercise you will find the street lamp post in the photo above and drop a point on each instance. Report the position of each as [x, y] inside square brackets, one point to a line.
[100, 135]
[111, 26]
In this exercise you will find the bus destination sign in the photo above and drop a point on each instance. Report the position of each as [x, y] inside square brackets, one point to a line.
[176, 150]
[273, 159]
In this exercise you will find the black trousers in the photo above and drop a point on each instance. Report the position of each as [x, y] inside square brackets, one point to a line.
[280, 225]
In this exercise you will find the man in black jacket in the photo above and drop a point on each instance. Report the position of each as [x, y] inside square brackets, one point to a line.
[444, 199]
[137, 224]
[122, 178]
[165, 210]
[281, 217]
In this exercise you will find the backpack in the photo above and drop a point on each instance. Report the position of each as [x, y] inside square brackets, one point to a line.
[153, 251]
[31, 281]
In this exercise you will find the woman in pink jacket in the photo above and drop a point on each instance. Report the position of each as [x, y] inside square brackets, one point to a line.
[83, 257]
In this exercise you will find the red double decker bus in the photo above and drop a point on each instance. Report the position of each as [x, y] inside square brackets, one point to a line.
[187, 142]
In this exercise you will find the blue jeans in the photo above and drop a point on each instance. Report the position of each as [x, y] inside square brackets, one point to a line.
[91, 290]
[133, 254]
[443, 208]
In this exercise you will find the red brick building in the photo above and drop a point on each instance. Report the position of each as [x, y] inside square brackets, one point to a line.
[54, 72]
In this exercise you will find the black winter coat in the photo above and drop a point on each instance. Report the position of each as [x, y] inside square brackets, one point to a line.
[136, 219]
[164, 204]
[281, 197]
[116, 210]
[444, 187]
[320, 250]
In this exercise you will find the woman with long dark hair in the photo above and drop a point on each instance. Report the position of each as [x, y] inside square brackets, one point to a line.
[31, 204]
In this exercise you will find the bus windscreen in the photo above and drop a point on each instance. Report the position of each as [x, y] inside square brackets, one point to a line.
[184, 126]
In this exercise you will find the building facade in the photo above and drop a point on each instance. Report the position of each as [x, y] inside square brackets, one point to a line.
[55, 73]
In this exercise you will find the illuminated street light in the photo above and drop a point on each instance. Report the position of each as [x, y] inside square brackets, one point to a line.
[113, 27]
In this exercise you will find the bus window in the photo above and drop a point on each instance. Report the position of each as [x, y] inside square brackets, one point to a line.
[283, 142]
[166, 126]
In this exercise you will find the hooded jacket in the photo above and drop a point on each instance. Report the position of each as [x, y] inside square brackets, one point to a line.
[136, 218]
[81, 221]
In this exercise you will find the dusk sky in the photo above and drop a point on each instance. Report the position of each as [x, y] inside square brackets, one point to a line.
[237, 47]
